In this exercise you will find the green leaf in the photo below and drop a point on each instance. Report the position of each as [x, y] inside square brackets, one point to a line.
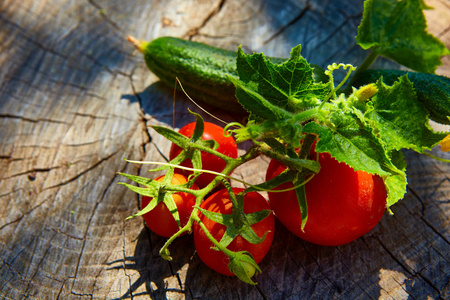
[289, 85]
[197, 135]
[172, 206]
[351, 142]
[354, 143]
[149, 192]
[279, 97]
[247, 233]
[157, 196]
[283, 177]
[158, 191]
[398, 30]
[256, 104]
[432, 90]
[171, 135]
[217, 217]
[400, 119]
[191, 147]
[139, 180]
[396, 184]
[301, 198]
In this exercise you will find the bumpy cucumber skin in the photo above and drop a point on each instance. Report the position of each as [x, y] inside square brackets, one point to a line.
[432, 90]
[202, 69]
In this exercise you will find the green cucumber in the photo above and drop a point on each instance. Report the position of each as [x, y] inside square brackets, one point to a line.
[202, 69]
[432, 90]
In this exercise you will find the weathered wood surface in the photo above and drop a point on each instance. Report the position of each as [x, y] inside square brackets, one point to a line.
[75, 100]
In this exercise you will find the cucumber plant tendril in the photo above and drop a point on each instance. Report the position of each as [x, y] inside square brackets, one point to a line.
[360, 126]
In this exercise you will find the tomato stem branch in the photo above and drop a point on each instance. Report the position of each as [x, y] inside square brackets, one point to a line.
[226, 251]
[298, 164]
[306, 146]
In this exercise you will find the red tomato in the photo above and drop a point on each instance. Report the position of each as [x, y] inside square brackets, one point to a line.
[220, 202]
[343, 204]
[211, 162]
[160, 220]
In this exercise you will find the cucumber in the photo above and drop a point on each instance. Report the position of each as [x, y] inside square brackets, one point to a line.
[202, 69]
[432, 90]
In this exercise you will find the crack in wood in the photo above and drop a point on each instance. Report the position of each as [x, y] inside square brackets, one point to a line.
[11, 269]
[82, 294]
[46, 77]
[105, 117]
[195, 31]
[23, 214]
[430, 283]
[261, 292]
[11, 116]
[435, 230]
[395, 258]
[83, 172]
[331, 283]
[142, 118]
[88, 226]
[30, 279]
[105, 67]
[116, 27]
[99, 141]
[334, 32]
[292, 22]
[412, 273]
[12, 222]
[67, 235]
[63, 283]
[31, 173]
[443, 32]
[124, 254]
[104, 15]
[81, 87]
[423, 213]
[20, 29]
[107, 187]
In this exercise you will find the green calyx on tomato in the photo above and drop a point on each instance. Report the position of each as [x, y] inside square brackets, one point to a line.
[167, 201]
[164, 218]
[234, 231]
[211, 136]
[202, 146]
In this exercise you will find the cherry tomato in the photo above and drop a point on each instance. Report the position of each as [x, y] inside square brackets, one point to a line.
[160, 220]
[211, 162]
[343, 204]
[220, 202]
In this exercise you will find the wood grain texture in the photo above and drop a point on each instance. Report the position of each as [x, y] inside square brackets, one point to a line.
[75, 99]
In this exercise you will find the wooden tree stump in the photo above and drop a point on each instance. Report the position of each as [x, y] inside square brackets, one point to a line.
[75, 99]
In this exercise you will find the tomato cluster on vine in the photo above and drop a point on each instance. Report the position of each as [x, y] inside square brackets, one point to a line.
[233, 228]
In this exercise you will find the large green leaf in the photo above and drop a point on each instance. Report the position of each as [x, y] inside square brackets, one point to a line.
[400, 119]
[289, 85]
[350, 141]
[398, 30]
[353, 143]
